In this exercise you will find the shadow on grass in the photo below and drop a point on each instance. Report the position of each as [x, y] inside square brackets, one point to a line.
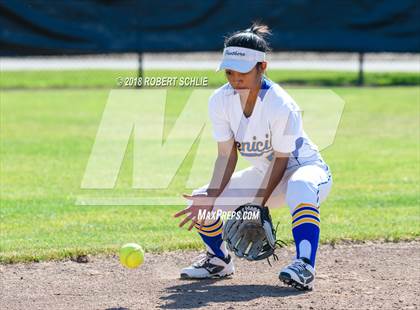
[199, 293]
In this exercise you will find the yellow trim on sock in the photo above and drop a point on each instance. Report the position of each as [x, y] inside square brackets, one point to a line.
[305, 212]
[215, 233]
[213, 226]
[305, 220]
[304, 204]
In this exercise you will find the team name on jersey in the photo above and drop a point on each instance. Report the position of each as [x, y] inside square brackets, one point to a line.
[255, 148]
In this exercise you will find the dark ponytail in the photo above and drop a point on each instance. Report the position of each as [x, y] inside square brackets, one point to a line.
[253, 38]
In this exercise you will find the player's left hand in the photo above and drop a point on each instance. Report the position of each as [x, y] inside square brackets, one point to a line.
[199, 202]
[251, 238]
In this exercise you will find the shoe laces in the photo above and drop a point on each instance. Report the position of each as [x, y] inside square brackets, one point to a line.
[203, 258]
[299, 265]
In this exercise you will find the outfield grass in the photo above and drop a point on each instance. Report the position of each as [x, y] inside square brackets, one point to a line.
[47, 135]
[108, 78]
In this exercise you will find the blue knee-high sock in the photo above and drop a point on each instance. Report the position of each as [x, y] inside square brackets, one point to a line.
[212, 237]
[305, 228]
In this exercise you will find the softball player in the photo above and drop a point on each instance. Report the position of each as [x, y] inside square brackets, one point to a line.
[255, 117]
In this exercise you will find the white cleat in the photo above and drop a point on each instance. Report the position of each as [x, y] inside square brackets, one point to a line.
[209, 266]
[299, 274]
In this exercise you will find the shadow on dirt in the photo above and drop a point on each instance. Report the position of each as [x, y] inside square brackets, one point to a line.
[200, 293]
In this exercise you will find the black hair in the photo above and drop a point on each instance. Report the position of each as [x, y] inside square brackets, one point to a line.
[253, 38]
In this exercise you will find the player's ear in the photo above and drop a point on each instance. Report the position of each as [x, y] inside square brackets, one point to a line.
[262, 66]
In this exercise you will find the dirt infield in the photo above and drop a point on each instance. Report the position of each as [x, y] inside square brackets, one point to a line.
[355, 276]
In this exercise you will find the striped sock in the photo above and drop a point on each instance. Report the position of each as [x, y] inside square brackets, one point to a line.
[212, 237]
[305, 228]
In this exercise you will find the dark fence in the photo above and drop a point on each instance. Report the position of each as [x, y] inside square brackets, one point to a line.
[115, 26]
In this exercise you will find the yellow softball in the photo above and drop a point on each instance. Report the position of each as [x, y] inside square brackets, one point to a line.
[131, 255]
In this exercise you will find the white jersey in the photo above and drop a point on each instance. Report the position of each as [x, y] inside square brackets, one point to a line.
[274, 125]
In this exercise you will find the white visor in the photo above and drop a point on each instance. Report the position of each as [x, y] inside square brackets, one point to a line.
[240, 59]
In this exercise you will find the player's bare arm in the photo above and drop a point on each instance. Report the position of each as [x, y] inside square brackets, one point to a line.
[224, 167]
[273, 177]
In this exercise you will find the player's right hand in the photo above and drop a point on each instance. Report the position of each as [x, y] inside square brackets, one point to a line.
[199, 202]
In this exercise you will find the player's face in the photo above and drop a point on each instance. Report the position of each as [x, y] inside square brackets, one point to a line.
[249, 80]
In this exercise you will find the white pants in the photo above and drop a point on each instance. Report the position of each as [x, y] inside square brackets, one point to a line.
[308, 183]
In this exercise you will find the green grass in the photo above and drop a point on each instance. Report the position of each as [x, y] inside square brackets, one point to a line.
[108, 78]
[47, 135]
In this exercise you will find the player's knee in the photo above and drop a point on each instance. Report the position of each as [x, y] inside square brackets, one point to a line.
[300, 191]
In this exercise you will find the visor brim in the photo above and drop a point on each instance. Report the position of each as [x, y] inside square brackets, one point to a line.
[237, 65]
